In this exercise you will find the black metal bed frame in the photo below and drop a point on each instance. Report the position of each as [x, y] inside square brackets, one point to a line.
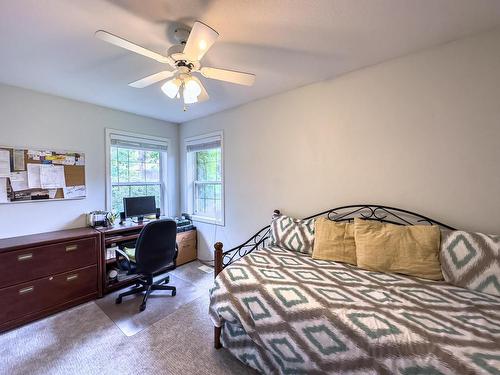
[380, 213]
[344, 213]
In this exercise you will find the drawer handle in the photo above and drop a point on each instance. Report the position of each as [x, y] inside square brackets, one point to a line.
[26, 290]
[22, 257]
[71, 247]
[72, 277]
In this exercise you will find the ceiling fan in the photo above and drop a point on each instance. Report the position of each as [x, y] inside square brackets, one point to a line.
[184, 60]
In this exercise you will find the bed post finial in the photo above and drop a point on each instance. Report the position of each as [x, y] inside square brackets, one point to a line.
[276, 213]
[218, 258]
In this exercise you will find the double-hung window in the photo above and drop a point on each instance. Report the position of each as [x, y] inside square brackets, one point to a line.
[137, 167]
[205, 178]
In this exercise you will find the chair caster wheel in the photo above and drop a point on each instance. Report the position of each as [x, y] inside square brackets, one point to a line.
[167, 280]
[174, 293]
[142, 307]
[118, 300]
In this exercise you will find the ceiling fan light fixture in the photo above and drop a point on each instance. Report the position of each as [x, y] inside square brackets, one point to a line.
[192, 88]
[190, 99]
[171, 88]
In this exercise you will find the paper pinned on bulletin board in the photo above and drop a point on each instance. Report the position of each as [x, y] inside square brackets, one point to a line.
[69, 160]
[3, 190]
[18, 156]
[19, 181]
[80, 160]
[4, 163]
[72, 192]
[34, 155]
[52, 176]
[34, 176]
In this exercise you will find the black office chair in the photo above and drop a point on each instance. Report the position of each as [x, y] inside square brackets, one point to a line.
[155, 250]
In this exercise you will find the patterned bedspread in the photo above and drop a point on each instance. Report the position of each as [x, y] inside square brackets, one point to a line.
[286, 313]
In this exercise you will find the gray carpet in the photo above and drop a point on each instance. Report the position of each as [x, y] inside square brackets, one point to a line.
[160, 304]
[84, 340]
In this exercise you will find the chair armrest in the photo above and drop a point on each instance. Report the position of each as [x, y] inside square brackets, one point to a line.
[122, 253]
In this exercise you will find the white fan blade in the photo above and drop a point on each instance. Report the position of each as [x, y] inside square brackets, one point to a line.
[232, 76]
[149, 80]
[123, 43]
[199, 41]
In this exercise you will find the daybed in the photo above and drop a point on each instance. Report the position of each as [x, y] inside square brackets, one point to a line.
[283, 312]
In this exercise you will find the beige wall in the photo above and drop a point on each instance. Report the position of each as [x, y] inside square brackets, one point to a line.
[33, 119]
[420, 132]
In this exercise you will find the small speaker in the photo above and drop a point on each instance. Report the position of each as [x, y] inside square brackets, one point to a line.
[157, 213]
[122, 217]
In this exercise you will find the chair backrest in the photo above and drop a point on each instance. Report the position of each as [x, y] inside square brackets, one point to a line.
[156, 246]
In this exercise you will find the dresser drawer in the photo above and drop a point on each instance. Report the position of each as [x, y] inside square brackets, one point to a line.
[35, 262]
[46, 292]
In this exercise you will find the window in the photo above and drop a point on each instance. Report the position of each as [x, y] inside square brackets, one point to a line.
[136, 168]
[205, 178]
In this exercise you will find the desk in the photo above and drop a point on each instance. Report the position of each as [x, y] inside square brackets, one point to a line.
[129, 231]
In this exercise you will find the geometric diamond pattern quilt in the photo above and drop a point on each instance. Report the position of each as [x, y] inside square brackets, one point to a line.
[283, 312]
[471, 260]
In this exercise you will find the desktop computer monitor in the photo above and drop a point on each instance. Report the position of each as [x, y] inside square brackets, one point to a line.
[139, 207]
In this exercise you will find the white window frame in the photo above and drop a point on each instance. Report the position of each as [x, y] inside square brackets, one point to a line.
[190, 178]
[164, 207]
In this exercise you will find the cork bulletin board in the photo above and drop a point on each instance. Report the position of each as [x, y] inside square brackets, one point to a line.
[28, 175]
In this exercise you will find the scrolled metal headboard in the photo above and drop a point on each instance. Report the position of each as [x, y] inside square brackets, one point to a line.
[344, 213]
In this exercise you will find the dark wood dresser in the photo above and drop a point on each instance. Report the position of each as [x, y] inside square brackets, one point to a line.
[44, 273]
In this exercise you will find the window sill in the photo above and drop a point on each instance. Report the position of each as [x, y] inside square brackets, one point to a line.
[207, 220]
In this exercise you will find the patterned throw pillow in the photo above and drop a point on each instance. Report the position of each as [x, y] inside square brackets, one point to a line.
[471, 260]
[293, 234]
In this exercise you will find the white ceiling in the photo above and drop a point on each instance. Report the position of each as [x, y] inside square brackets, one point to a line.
[48, 45]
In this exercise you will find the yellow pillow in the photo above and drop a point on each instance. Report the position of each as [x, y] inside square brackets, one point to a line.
[334, 241]
[409, 250]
